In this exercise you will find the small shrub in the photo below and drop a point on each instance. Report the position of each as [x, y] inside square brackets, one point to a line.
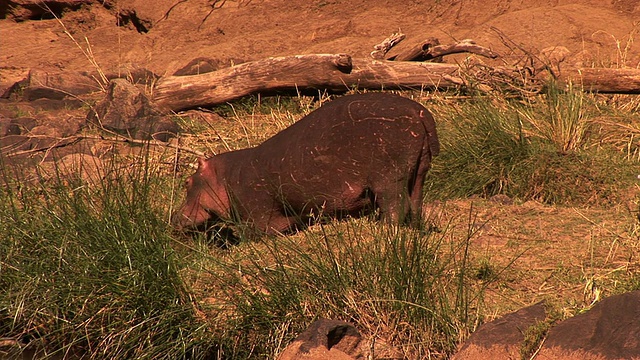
[485, 271]
[534, 335]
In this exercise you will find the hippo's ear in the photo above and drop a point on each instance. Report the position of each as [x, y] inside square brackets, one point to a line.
[202, 164]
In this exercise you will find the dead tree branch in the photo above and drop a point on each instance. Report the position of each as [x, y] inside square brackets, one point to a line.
[383, 48]
[332, 72]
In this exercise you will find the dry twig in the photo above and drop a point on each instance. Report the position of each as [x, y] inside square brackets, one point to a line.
[61, 142]
[383, 48]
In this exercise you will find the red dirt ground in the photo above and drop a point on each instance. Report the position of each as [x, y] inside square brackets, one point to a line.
[236, 31]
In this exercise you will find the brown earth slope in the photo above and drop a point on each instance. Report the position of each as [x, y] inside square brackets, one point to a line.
[165, 35]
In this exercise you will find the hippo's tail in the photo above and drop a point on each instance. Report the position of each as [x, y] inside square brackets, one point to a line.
[432, 135]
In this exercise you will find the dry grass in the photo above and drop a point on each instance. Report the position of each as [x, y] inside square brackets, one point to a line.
[519, 254]
[420, 293]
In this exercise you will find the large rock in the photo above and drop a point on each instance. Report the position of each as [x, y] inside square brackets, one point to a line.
[503, 337]
[609, 331]
[325, 339]
[126, 110]
[337, 340]
[42, 84]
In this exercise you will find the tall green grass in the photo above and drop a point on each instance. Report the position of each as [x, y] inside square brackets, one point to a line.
[87, 269]
[415, 291]
[482, 146]
[561, 117]
[549, 148]
[93, 269]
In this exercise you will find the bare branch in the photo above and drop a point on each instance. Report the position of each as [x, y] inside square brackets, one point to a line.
[431, 50]
[383, 48]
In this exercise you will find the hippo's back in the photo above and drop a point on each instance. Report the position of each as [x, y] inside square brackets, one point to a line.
[358, 122]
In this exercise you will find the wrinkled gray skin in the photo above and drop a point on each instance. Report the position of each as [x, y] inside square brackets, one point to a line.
[350, 156]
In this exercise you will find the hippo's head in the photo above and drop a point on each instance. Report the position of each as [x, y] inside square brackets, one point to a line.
[206, 200]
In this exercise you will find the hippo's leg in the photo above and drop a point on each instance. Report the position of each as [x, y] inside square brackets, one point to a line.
[394, 204]
[275, 222]
[416, 196]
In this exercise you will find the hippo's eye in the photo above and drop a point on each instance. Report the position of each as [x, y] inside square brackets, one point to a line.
[188, 182]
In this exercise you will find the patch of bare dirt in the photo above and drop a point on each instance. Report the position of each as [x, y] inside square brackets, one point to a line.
[570, 256]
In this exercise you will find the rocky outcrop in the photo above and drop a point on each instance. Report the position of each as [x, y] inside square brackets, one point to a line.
[502, 338]
[43, 119]
[608, 331]
[28, 127]
[139, 15]
[336, 340]
[21, 10]
[127, 111]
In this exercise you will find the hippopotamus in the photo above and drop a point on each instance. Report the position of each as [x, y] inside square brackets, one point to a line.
[352, 156]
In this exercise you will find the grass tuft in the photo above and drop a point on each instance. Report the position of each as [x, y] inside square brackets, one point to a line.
[412, 290]
[562, 120]
[481, 146]
[88, 269]
[549, 149]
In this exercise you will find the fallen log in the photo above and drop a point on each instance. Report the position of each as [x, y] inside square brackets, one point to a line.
[341, 72]
[331, 72]
[603, 80]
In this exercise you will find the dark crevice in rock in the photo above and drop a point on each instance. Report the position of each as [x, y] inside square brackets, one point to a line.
[129, 17]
